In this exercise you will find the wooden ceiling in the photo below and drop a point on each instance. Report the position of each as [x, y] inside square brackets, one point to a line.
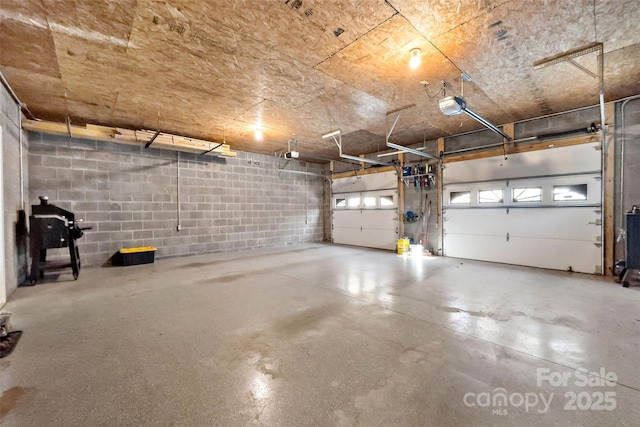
[296, 69]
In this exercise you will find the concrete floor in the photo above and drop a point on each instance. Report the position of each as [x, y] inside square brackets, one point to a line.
[318, 334]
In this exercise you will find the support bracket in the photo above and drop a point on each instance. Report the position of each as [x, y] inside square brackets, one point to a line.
[403, 148]
[338, 141]
[153, 138]
[569, 57]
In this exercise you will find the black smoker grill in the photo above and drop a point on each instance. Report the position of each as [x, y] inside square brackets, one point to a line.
[53, 227]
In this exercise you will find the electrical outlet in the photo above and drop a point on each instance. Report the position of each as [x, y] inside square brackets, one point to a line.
[424, 83]
[179, 227]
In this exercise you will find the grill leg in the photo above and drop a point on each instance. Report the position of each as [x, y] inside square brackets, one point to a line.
[623, 275]
[36, 251]
[75, 258]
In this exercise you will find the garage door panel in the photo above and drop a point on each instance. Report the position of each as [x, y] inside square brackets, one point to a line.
[561, 230]
[346, 219]
[369, 228]
[365, 210]
[371, 182]
[489, 222]
[346, 236]
[378, 219]
[480, 247]
[534, 252]
[381, 239]
[556, 223]
[555, 254]
[560, 160]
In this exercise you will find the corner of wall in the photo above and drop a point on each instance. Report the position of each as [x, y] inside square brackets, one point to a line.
[14, 182]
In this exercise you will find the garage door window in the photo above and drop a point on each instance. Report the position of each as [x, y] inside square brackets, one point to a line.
[490, 196]
[460, 197]
[354, 202]
[341, 203]
[370, 201]
[527, 194]
[569, 193]
[386, 201]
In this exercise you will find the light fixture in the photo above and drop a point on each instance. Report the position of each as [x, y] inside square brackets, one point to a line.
[454, 105]
[258, 135]
[415, 60]
[292, 154]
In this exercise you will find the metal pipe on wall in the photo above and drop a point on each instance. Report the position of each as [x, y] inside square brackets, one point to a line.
[21, 155]
[178, 226]
[306, 197]
[13, 95]
[306, 173]
[622, 146]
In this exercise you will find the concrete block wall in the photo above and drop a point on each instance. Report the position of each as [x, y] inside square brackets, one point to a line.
[14, 242]
[129, 195]
[570, 120]
[473, 139]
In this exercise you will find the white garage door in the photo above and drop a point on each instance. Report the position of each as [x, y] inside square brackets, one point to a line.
[539, 209]
[365, 210]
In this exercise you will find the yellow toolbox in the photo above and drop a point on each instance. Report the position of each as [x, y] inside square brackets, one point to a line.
[135, 256]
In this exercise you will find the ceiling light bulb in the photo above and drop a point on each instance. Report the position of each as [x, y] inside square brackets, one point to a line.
[415, 60]
[258, 135]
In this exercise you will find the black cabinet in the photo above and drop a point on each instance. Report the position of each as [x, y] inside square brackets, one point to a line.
[632, 263]
[633, 239]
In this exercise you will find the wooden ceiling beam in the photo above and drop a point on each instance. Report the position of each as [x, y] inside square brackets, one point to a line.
[128, 136]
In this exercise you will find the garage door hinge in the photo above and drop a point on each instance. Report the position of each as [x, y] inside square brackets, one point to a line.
[507, 237]
[598, 245]
[598, 147]
[596, 222]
